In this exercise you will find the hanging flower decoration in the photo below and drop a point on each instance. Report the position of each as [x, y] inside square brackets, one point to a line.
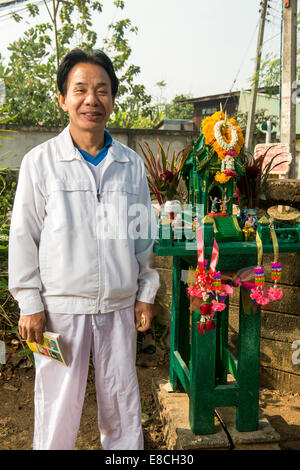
[230, 173]
[227, 168]
[220, 129]
[207, 293]
[259, 293]
[224, 135]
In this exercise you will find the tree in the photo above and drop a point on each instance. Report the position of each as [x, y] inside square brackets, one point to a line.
[260, 117]
[175, 110]
[30, 76]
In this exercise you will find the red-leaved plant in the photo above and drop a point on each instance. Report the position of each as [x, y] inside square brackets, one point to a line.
[164, 171]
[251, 187]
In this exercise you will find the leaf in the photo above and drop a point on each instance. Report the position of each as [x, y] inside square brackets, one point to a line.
[24, 352]
[145, 416]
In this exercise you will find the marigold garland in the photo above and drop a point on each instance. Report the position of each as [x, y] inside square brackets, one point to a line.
[208, 125]
[222, 177]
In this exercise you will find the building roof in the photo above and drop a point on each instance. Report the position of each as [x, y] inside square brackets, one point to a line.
[175, 124]
[219, 96]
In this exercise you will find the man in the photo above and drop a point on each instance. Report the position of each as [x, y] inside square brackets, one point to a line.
[78, 266]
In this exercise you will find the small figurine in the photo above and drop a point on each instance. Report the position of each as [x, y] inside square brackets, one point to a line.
[224, 204]
[195, 223]
[214, 202]
[249, 228]
[249, 222]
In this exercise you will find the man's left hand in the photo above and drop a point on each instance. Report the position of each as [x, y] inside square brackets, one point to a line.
[142, 308]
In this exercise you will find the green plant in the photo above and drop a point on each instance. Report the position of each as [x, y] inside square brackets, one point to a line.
[164, 170]
[251, 187]
[261, 116]
[177, 109]
[9, 312]
[138, 118]
[30, 73]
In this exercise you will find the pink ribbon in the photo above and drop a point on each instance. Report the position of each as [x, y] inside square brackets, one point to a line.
[214, 257]
[200, 249]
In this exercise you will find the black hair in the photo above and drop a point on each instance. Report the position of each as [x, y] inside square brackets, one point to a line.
[77, 56]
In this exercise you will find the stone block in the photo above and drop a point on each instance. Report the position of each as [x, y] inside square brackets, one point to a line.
[278, 354]
[265, 438]
[174, 412]
[285, 192]
[290, 263]
[289, 303]
[276, 326]
[279, 379]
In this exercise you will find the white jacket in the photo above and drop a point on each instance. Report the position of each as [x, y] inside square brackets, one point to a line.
[58, 257]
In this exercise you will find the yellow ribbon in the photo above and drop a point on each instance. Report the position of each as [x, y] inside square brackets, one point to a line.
[275, 244]
[259, 249]
[236, 224]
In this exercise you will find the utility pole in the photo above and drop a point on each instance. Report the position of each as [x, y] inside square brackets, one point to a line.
[251, 112]
[288, 80]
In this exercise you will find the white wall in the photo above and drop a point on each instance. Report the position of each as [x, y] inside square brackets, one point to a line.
[27, 138]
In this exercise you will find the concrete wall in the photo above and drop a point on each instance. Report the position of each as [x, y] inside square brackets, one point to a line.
[27, 138]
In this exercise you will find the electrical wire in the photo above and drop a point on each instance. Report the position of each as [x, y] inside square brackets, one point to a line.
[242, 63]
[277, 25]
[270, 39]
[8, 3]
[8, 15]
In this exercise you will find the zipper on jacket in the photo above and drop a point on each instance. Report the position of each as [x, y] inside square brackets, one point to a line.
[98, 194]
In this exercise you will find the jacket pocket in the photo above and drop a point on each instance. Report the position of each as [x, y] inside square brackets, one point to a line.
[68, 185]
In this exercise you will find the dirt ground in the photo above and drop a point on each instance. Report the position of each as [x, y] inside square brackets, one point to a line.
[16, 410]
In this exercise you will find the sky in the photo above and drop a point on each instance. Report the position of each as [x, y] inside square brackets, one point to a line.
[198, 47]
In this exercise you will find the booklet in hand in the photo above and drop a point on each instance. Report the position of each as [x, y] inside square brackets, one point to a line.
[49, 347]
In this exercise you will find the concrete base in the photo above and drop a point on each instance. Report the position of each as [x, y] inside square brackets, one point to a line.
[174, 413]
[265, 438]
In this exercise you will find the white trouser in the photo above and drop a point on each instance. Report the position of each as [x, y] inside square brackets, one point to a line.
[60, 390]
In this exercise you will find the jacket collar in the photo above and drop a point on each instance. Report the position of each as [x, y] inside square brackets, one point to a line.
[66, 150]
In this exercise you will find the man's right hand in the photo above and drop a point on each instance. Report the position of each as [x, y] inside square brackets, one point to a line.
[31, 327]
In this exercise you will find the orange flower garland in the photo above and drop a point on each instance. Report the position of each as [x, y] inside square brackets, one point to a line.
[208, 125]
[222, 177]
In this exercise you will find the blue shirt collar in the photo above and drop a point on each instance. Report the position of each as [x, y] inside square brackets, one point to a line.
[101, 154]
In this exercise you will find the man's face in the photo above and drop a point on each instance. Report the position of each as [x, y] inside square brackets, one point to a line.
[88, 99]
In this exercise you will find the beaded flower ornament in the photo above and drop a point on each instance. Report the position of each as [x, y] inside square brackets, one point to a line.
[259, 294]
[275, 292]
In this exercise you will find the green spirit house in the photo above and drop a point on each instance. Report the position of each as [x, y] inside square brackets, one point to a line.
[201, 362]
